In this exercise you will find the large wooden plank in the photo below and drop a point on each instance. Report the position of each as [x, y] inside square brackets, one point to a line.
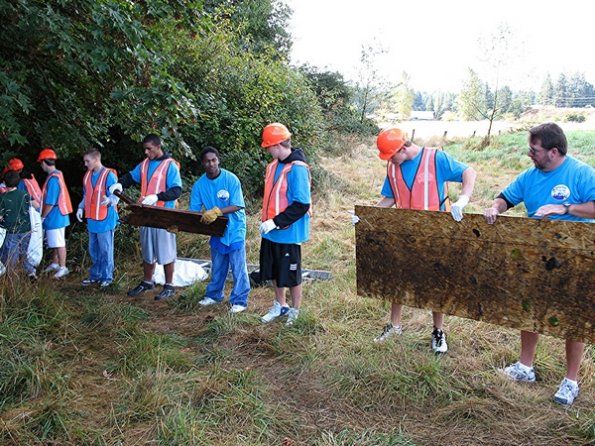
[522, 273]
[173, 220]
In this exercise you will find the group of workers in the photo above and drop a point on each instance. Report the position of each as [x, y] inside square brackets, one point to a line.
[558, 187]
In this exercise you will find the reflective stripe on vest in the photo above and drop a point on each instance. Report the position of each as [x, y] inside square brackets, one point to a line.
[424, 193]
[33, 188]
[158, 181]
[64, 203]
[275, 192]
[94, 195]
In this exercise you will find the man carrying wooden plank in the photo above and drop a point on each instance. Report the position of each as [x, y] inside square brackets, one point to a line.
[161, 185]
[558, 187]
[219, 191]
[285, 220]
[416, 179]
[99, 208]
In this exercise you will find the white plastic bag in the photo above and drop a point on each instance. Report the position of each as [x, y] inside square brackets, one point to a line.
[2, 236]
[186, 273]
[35, 248]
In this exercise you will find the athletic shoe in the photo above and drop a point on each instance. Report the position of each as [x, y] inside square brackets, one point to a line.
[167, 292]
[207, 301]
[105, 283]
[141, 288]
[520, 372]
[567, 392]
[88, 281]
[388, 331]
[275, 311]
[51, 267]
[237, 308]
[439, 344]
[62, 271]
[292, 316]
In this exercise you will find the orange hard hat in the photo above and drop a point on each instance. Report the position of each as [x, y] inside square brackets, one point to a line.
[46, 154]
[15, 164]
[389, 142]
[274, 133]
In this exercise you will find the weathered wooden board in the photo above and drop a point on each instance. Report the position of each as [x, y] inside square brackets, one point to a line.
[173, 220]
[522, 273]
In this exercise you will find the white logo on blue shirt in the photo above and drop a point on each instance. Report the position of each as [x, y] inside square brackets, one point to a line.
[560, 192]
[223, 195]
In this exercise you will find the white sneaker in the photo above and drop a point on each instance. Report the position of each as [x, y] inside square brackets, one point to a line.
[388, 331]
[439, 344]
[275, 311]
[520, 372]
[237, 308]
[62, 271]
[51, 267]
[207, 301]
[567, 392]
[292, 315]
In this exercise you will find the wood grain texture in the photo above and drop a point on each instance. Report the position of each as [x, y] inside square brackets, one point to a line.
[173, 220]
[522, 273]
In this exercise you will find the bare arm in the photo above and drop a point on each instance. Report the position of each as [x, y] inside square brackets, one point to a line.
[584, 210]
[469, 176]
[385, 202]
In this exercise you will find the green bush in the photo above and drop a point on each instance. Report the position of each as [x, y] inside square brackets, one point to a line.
[575, 117]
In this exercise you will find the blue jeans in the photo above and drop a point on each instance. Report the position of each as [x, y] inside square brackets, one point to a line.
[15, 246]
[220, 265]
[101, 250]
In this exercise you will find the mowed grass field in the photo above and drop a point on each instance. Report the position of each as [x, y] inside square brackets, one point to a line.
[83, 367]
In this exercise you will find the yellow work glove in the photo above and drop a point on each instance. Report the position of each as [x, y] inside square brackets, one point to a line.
[211, 215]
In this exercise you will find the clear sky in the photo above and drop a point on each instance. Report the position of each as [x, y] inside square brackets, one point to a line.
[436, 41]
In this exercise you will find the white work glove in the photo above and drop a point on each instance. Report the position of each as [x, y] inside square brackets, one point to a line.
[354, 218]
[150, 200]
[457, 208]
[267, 226]
[115, 187]
[79, 215]
[112, 201]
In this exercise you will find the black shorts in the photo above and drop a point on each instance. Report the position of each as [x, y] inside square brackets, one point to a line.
[281, 262]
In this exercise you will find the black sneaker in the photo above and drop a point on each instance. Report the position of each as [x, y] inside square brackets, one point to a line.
[141, 288]
[167, 292]
[439, 344]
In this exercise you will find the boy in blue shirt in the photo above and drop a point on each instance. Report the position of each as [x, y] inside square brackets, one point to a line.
[285, 220]
[98, 206]
[219, 191]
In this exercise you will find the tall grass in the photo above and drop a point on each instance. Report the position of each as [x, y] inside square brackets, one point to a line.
[86, 367]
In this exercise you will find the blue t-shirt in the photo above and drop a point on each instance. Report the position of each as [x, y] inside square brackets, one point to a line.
[223, 191]
[55, 219]
[572, 182]
[447, 169]
[298, 189]
[173, 178]
[111, 220]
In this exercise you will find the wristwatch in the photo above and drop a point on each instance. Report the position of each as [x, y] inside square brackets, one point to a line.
[566, 208]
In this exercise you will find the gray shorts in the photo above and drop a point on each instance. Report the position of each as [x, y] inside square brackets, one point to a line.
[157, 245]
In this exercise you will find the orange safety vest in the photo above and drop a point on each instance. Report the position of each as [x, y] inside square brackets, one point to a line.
[33, 188]
[94, 195]
[424, 193]
[158, 181]
[275, 192]
[64, 203]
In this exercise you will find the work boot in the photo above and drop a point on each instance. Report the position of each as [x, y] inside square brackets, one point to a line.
[141, 288]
